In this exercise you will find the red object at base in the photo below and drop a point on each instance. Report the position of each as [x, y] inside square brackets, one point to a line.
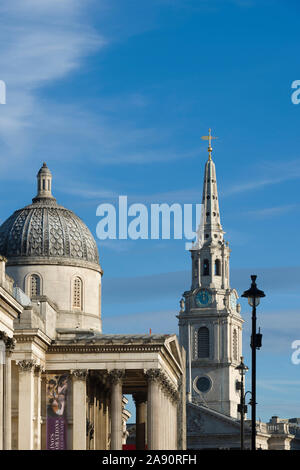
[129, 447]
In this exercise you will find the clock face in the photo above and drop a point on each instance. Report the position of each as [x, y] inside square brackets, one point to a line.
[233, 301]
[203, 298]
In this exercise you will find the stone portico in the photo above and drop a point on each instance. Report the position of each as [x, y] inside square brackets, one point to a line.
[100, 369]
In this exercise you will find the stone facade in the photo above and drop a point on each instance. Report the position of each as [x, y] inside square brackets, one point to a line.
[62, 382]
[10, 311]
[210, 330]
[210, 324]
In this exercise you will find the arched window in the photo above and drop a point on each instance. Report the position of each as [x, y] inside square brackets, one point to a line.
[235, 346]
[35, 285]
[203, 342]
[206, 267]
[77, 293]
[217, 267]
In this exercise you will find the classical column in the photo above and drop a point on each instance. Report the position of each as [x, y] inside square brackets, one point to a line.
[163, 420]
[168, 397]
[10, 345]
[173, 407]
[102, 423]
[95, 421]
[107, 422]
[37, 406]
[115, 377]
[169, 423]
[43, 410]
[181, 407]
[2, 360]
[26, 404]
[99, 425]
[79, 409]
[153, 410]
[140, 400]
[168, 415]
[107, 410]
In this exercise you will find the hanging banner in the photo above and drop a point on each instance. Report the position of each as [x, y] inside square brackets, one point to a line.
[57, 400]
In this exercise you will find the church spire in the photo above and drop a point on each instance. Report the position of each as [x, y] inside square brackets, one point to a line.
[44, 184]
[210, 254]
[210, 230]
[212, 227]
[210, 324]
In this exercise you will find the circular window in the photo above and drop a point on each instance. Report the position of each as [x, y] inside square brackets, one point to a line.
[203, 384]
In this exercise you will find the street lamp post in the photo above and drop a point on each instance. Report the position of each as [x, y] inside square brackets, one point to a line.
[242, 408]
[253, 295]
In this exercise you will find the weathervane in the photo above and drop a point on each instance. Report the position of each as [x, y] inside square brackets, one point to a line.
[209, 137]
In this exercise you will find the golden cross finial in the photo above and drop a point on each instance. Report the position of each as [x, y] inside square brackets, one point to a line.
[209, 137]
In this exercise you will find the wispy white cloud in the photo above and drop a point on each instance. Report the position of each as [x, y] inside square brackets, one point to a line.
[267, 174]
[88, 193]
[278, 385]
[42, 41]
[45, 41]
[261, 183]
[273, 211]
[112, 191]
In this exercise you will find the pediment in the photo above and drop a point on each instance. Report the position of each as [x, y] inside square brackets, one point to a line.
[173, 346]
[204, 421]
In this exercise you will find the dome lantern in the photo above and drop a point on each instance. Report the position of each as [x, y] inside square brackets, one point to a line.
[44, 184]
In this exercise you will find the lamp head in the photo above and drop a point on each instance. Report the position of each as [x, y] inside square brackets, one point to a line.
[253, 294]
[242, 368]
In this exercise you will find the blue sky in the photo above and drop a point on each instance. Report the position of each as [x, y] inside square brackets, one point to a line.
[115, 95]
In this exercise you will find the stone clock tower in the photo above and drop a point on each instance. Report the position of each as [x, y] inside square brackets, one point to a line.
[210, 324]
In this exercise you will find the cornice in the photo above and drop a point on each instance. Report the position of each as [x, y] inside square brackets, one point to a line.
[44, 298]
[98, 348]
[32, 336]
[196, 313]
[210, 362]
[9, 303]
[59, 261]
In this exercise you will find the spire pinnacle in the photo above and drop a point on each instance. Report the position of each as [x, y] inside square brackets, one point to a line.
[209, 137]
